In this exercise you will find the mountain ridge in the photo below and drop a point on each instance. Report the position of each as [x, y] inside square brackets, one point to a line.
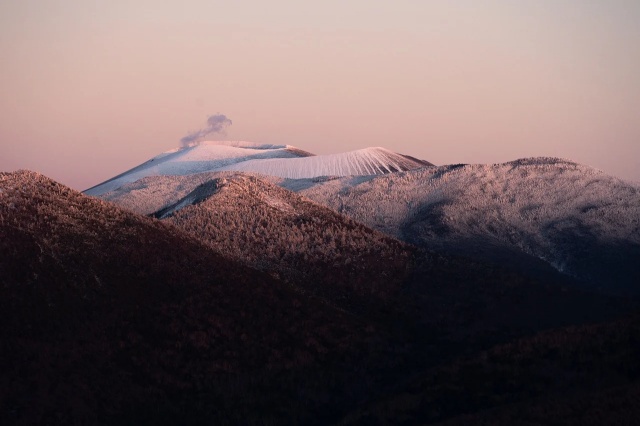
[576, 218]
[305, 243]
[536, 213]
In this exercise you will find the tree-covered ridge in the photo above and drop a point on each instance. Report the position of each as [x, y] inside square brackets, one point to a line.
[575, 218]
[276, 230]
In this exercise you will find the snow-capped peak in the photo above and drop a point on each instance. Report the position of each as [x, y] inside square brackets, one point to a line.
[197, 158]
[283, 161]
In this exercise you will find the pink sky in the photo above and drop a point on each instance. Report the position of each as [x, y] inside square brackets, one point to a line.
[90, 89]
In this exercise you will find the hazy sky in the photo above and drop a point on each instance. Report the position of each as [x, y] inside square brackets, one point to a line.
[90, 88]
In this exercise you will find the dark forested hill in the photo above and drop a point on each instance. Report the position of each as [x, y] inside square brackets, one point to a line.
[110, 317]
[249, 304]
[577, 375]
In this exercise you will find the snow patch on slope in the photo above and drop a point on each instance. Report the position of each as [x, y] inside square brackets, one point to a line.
[363, 162]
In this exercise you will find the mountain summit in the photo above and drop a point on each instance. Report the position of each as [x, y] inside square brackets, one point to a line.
[283, 161]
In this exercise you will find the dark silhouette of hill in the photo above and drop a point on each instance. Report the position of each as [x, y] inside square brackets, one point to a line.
[110, 317]
[577, 375]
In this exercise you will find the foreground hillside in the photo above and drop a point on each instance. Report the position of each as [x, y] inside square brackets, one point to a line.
[111, 317]
[587, 375]
[576, 219]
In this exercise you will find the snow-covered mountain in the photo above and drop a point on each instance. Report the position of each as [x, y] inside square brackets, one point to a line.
[537, 214]
[203, 157]
[283, 161]
[578, 219]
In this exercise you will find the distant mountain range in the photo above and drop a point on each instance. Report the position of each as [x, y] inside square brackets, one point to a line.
[533, 215]
[239, 283]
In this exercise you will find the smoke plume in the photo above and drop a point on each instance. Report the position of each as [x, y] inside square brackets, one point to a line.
[216, 123]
